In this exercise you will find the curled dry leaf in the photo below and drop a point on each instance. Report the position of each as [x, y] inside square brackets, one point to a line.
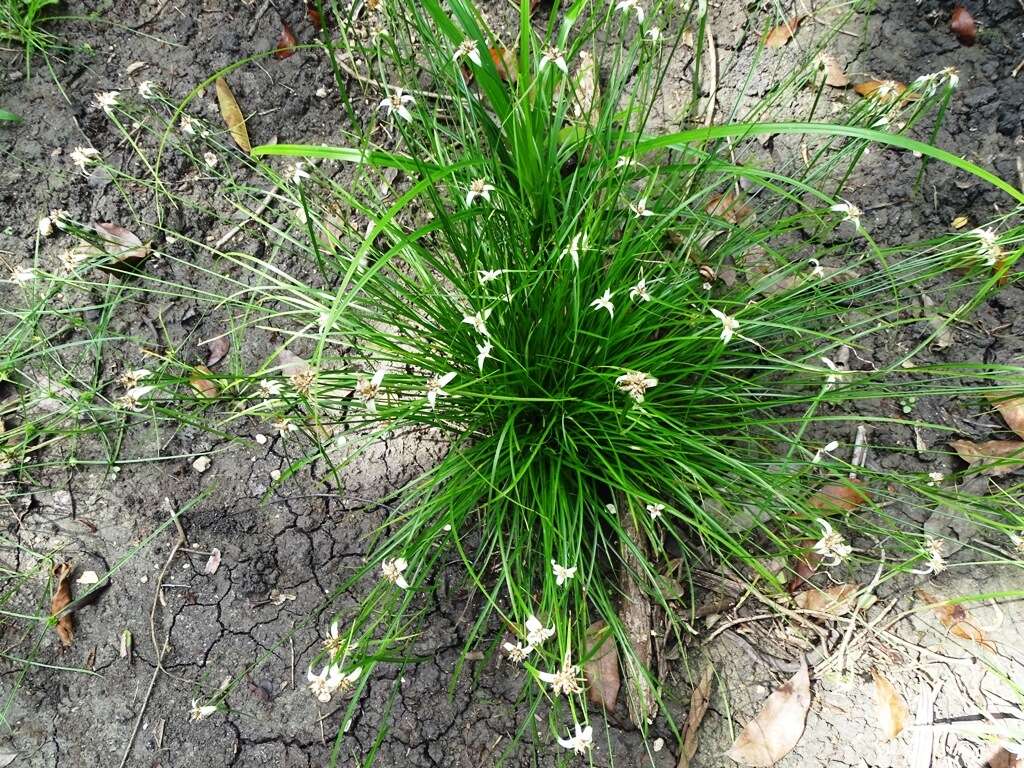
[506, 62]
[729, 206]
[963, 26]
[62, 599]
[232, 114]
[286, 41]
[955, 618]
[1012, 411]
[203, 386]
[314, 17]
[833, 72]
[836, 497]
[219, 348]
[601, 670]
[292, 364]
[991, 456]
[699, 701]
[778, 726]
[213, 563]
[834, 601]
[892, 709]
[123, 245]
[782, 34]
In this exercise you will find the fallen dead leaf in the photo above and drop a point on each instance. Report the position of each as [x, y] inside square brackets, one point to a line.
[830, 67]
[232, 114]
[960, 222]
[126, 644]
[892, 709]
[836, 497]
[314, 17]
[292, 364]
[213, 563]
[963, 26]
[506, 62]
[123, 245]
[834, 601]
[278, 598]
[203, 386]
[219, 348]
[61, 599]
[699, 701]
[729, 206]
[782, 34]
[286, 41]
[1002, 758]
[883, 90]
[778, 726]
[601, 670]
[1012, 411]
[990, 456]
[955, 618]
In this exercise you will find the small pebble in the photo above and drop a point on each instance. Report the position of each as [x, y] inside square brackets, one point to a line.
[201, 464]
[260, 439]
[143, 579]
[275, 475]
[658, 744]
[321, 92]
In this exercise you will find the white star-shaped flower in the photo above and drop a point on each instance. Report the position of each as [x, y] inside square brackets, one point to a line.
[397, 104]
[729, 325]
[83, 157]
[435, 388]
[831, 546]
[469, 49]
[325, 683]
[479, 321]
[604, 302]
[564, 681]
[367, 391]
[640, 292]
[631, 5]
[201, 711]
[106, 100]
[147, 89]
[579, 742]
[562, 574]
[849, 211]
[636, 384]
[487, 275]
[578, 243]
[639, 208]
[655, 510]
[483, 352]
[22, 275]
[554, 56]
[297, 173]
[478, 188]
[392, 570]
[989, 248]
[518, 652]
[537, 633]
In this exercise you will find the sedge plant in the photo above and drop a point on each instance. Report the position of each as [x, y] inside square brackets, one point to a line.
[639, 344]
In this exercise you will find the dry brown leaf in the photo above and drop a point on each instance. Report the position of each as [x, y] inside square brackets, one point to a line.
[963, 26]
[125, 246]
[838, 498]
[884, 90]
[960, 222]
[829, 66]
[834, 601]
[292, 364]
[729, 206]
[1012, 411]
[601, 669]
[62, 599]
[286, 41]
[778, 726]
[506, 62]
[213, 563]
[1001, 758]
[892, 709]
[990, 456]
[232, 115]
[781, 35]
[203, 386]
[699, 701]
[314, 17]
[219, 348]
[955, 618]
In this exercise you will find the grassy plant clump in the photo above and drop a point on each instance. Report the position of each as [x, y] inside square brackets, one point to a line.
[21, 23]
[634, 341]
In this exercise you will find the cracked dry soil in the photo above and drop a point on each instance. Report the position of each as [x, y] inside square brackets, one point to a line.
[298, 541]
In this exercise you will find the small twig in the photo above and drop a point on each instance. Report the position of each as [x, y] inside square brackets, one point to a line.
[1017, 69]
[860, 450]
[161, 651]
[227, 236]
[713, 66]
